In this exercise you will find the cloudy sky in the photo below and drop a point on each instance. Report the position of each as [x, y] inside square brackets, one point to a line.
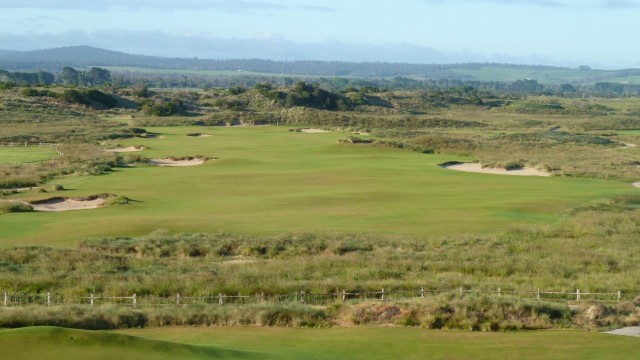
[599, 33]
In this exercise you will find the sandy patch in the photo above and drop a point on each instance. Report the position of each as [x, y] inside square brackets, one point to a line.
[66, 204]
[626, 146]
[313, 131]
[627, 331]
[361, 133]
[125, 149]
[477, 168]
[636, 184]
[172, 162]
[199, 135]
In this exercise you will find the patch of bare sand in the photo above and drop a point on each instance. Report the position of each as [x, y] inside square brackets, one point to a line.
[67, 204]
[477, 168]
[626, 331]
[626, 146]
[636, 184]
[182, 162]
[313, 131]
[125, 149]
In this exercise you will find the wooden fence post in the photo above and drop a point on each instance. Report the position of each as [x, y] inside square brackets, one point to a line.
[91, 300]
[461, 292]
[6, 299]
[178, 299]
[499, 292]
[302, 296]
[48, 299]
[538, 294]
[382, 296]
[262, 298]
[578, 294]
[344, 295]
[220, 301]
[422, 292]
[619, 294]
[134, 300]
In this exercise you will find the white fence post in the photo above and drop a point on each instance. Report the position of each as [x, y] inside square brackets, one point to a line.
[220, 302]
[6, 299]
[302, 296]
[344, 295]
[178, 299]
[382, 296]
[499, 292]
[134, 300]
[422, 292]
[461, 292]
[619, 295]
[48, 299]
[91, 299]
[578, 294]
[538, 294]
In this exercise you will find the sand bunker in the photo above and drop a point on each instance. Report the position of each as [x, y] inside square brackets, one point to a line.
[636, 184]
[477, 168]
[627, 331]
[125, 149]
[181, 162]
[626, 146]
[313, 131]
[67, 204]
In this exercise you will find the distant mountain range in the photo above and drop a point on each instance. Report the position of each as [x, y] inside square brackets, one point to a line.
[53, 60]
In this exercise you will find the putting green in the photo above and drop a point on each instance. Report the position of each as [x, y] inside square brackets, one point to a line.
[270, 180]
[22, 154]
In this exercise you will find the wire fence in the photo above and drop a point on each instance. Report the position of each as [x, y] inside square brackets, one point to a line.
[302, 297]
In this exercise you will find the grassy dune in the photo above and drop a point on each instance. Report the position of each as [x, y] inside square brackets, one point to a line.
[268, 180]
[58, 343]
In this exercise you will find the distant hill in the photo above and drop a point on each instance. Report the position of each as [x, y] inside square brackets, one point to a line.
[53, 60]
[2, 52]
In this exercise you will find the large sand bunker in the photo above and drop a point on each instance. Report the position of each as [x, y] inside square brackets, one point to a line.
[477, 168]
[68, 204]
[178, 162]
[309, 130]
[126, 149]
[636, 184]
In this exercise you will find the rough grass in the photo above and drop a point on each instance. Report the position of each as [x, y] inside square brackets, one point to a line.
[269, 180]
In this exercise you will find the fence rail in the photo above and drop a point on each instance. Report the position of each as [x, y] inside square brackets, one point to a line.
[49, 299]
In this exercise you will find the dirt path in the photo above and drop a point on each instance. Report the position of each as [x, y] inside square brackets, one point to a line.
[477, 168]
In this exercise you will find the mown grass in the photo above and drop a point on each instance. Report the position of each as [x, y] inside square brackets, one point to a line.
[268, 180]
[58, 343]
[343, 343]
[20, 154]
[400, 343]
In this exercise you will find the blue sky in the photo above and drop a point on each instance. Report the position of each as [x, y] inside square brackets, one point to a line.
[599, 33]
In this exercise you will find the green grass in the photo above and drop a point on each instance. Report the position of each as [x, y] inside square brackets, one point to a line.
[402, 343]
[58, 343]
[21, 154]
[336, 343]
[268, 180]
